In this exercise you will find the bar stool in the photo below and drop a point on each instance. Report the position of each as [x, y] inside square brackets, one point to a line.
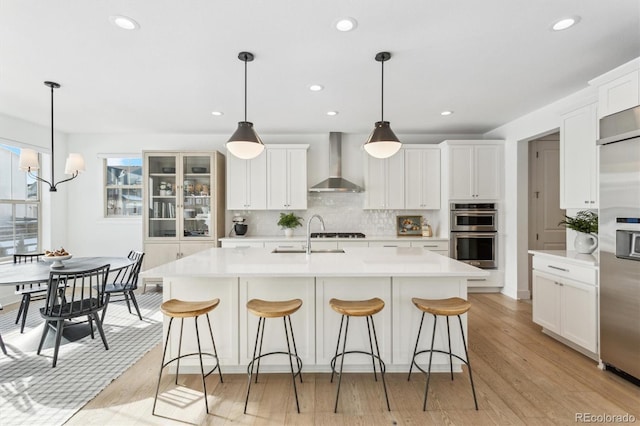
[175, 308]
[264, 309]
[358, 308]
[441, 307]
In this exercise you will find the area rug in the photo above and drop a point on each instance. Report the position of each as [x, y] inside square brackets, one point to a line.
[33, 393]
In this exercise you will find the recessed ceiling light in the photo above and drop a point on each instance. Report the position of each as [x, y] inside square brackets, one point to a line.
[346, 24]
[124, 22]
[565, 23]
[332, 113]
[316, 87]
[217, 113]
[446, 112]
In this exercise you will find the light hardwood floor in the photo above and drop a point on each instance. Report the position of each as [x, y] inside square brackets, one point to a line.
[521, 377]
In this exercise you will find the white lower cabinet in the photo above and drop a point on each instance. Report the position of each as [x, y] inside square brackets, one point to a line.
[390, 243]
[160, 253]
[565, 306]
[241, 244]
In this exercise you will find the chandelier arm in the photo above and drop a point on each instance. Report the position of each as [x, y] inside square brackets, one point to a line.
[75, 175]
[38, 178]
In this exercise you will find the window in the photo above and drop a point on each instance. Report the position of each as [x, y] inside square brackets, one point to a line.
[19, 206]
[123, 187]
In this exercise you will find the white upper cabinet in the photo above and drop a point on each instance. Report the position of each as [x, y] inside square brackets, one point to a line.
[619, 94]
[287, 177]
[475, 169]
[384, 182]
[247, 183]
[422, 177]
[578, 158]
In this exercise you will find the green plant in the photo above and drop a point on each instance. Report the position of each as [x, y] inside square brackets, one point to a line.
[289, 220]
[585, 221]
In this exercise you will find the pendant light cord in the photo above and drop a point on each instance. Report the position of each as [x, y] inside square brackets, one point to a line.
[245, 89]
[382, 94]
[52, 174]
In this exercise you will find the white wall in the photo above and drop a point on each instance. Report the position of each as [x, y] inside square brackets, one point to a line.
[517, 135]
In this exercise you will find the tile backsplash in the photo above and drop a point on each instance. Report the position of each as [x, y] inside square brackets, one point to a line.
[341, 212]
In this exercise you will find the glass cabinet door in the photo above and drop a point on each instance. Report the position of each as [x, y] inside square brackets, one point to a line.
[196, 193]
[162, 196]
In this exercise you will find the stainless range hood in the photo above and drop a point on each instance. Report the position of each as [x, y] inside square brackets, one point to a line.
[335, 182]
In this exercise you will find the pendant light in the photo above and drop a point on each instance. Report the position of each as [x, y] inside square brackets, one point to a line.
[245, 142]
[382, 142]
[29, 158]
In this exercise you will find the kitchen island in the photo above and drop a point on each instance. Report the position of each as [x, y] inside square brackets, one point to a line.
[394, 274]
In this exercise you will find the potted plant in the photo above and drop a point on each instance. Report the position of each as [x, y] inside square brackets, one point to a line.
[289, 221]
[586, 225]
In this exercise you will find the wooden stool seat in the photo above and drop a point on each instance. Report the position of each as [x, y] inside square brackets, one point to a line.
[444, 307]
[357, 308]
[273, 309]
[181, 309]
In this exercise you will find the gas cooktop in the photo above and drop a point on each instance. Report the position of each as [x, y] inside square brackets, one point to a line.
[337, 235]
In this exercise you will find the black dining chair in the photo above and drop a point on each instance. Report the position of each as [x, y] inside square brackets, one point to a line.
[84, 295]
[124, 284]
[29, 292]
[2, 347]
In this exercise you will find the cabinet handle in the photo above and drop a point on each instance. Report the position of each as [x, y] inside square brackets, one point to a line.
[593, 202]
[389, 246]
[586, 202]
[429, 246]
[558, 268]
[476, 279]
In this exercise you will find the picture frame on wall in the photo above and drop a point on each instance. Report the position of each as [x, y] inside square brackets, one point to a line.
[409, 226]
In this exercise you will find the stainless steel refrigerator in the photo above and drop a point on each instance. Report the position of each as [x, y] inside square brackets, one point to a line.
[619, 233]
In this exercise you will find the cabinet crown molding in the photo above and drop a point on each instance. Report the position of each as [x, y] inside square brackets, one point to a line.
[624, 69]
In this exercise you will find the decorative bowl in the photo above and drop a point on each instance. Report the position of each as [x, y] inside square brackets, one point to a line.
[198, 170]
[56, 260]
[168, 170]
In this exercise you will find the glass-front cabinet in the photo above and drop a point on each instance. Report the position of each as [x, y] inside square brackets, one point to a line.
[179, 195]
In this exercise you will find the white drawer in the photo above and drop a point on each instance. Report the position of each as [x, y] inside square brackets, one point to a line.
[391, 243]
[569, 270]
[293, 245]
[432, 245]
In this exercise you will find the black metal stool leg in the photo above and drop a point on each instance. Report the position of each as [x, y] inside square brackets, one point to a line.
[433, 338]
[466, 354]
[415, 349]
[204, 384]
[251, 363]
[337, 346]
[293, 376]
[264, 320]
[295, 349]
[384, 383]
[215, 351]
[164, 354]
[373, 358]
[180, 349]
[450, 355]
[344, 345]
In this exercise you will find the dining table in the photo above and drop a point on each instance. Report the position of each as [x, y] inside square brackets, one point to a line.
[38, 272]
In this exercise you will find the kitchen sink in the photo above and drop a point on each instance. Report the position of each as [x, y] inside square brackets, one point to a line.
[280, 250]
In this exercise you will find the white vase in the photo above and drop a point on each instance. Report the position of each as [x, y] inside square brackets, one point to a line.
[585, 243]
[288, 232]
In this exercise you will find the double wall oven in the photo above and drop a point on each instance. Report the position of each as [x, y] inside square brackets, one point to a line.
[474, 234]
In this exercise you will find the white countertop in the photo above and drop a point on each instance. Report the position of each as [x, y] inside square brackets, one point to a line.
[568, 256]
[355, 262]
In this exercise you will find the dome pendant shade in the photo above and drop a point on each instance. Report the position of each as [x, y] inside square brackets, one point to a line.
[245, 142]
[382, 142]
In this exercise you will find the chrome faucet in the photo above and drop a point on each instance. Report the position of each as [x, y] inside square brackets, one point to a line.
[309, 230]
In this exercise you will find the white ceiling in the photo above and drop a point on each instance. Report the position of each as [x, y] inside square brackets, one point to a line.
[490, 61]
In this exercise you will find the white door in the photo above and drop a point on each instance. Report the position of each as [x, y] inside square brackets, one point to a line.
[579, 314]
[395, 181]
[237, 184]
[277, 184]
[461, 172]
[375, 184]
[297, 179]
[488, 170]
[546, 301]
